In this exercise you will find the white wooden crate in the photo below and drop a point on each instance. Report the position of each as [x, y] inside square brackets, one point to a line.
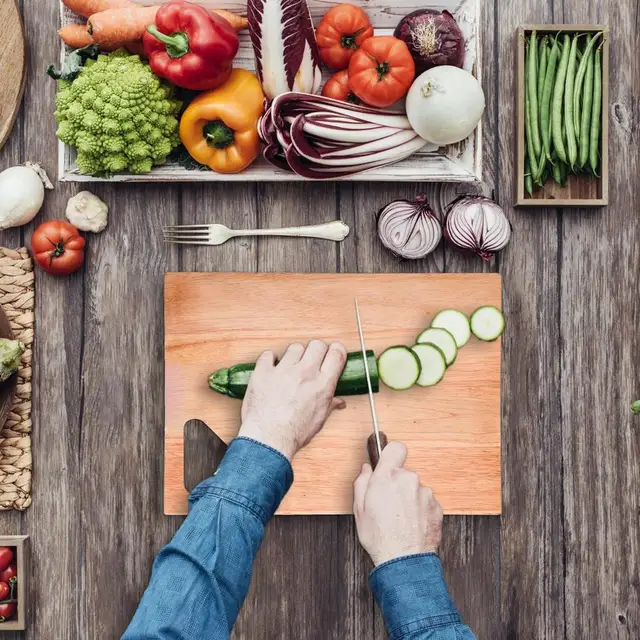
[456, 163]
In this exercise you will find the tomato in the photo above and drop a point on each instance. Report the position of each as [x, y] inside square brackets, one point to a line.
[337, 87]
[5, 590]
[8, 573]
[381, 71]
[342, 30]
[7, 610]
[58, 247]
[6, 556]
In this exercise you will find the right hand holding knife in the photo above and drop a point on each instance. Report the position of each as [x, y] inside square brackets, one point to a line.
[395, 515]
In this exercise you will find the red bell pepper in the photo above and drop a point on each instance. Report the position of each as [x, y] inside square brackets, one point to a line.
[190, 46]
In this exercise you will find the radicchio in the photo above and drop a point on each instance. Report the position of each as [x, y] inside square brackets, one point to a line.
[284, 44]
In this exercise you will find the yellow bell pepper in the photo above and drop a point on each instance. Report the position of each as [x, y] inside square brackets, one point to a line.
[220, 127]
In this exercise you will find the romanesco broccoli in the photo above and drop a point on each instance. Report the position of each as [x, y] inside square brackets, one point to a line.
[118, 115]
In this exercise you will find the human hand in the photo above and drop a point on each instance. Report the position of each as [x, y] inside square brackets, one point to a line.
[286, 404]
[395, 515]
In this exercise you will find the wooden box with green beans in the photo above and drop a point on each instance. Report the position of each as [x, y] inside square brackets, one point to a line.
[563, 93]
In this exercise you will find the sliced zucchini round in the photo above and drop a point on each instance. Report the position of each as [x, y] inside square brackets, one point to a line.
[456, 323]
[433, 364]
[399, 368]
[442, 339]
[487, 323]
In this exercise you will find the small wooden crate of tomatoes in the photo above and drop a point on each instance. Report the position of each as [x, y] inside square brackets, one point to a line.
[13, 558]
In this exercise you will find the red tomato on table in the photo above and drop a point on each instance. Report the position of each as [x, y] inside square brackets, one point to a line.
[5, 590]
[58, 247]
[381, 71]
[6, 556]
[342, 30]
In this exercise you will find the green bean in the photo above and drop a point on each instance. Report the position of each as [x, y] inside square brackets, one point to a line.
[558, 99]
[528, 182]
[557, 171]
[543, 58]
[580, 77]
[532, 86]
[596, 113]
[564, 172]
[587, 104]
[572, 147]
[545, 175]
[546, 113]
[531, 154]
[577, 89]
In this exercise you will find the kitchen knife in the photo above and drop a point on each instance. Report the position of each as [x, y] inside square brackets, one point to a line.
[377, 441]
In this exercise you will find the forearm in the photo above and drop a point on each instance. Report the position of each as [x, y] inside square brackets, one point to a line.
[201, 578]
[415, 603]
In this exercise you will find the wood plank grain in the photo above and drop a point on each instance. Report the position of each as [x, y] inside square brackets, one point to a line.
[600, 254]
[532, 561]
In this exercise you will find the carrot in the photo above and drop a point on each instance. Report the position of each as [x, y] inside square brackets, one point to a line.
[237, 22]
[77, 36]
[129, 23]
[121, 25]
[87, 8]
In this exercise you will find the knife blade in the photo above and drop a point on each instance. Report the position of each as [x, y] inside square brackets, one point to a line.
[377, 440]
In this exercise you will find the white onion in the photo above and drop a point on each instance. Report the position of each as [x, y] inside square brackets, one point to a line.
[409, 228]
[477, 224]
[21, 194]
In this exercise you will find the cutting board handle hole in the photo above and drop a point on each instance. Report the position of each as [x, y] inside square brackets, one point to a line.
[203, 451]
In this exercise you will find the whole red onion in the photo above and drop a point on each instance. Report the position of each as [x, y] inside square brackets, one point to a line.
[477, 224]
[433, 37]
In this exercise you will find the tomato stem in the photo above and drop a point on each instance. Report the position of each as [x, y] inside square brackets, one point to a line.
[383, 69]
[348, 41]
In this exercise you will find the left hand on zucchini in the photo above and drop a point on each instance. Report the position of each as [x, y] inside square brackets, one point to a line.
[288, 403]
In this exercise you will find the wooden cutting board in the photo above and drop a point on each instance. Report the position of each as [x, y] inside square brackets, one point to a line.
[13, 62]
[452, 430]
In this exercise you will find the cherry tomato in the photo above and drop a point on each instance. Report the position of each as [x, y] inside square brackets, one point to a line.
[6, 556]
[342, 30]
[337, 87]
[381, 71]
[7, 610]
[8, 573]
[58, 247]
[5, 590]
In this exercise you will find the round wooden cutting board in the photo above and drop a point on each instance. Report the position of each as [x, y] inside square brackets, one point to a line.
[13, 62]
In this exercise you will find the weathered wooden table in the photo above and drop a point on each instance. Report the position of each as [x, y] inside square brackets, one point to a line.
[564, 559]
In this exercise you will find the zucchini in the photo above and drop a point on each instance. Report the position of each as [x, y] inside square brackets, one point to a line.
[432, 362]
[487, 323]
[399, 368]
[233, 381]
[456, 323]
[442, 339]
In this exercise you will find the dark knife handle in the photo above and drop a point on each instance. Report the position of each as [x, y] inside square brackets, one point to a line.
[372, 447]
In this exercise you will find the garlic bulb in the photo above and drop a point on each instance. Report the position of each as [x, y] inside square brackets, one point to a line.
[409, 228]
[477, 224]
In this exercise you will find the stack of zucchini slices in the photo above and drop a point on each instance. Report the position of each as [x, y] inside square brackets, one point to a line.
[437, 347]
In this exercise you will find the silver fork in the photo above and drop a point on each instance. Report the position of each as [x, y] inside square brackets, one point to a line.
[215, 234]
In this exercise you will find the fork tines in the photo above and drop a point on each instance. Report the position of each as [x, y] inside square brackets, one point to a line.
[186, 234]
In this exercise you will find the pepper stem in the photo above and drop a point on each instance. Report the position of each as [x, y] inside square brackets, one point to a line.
[218, 135]
[177, 43]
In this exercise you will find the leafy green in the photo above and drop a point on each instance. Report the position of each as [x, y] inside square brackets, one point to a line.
[10, 355]
[74, 62]
[181, 156]
[635, 407]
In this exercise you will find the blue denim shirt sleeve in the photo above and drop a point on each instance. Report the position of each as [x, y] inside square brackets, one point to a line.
[200, 579]
[415, 603]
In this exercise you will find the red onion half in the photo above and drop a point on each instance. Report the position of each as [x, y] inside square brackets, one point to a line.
[433, 37]
[409, 228]
[477, 224]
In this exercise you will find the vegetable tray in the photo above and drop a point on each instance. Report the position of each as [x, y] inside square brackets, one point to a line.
[21, 559]
[452, 430]
[456, 163]
[580, 190]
